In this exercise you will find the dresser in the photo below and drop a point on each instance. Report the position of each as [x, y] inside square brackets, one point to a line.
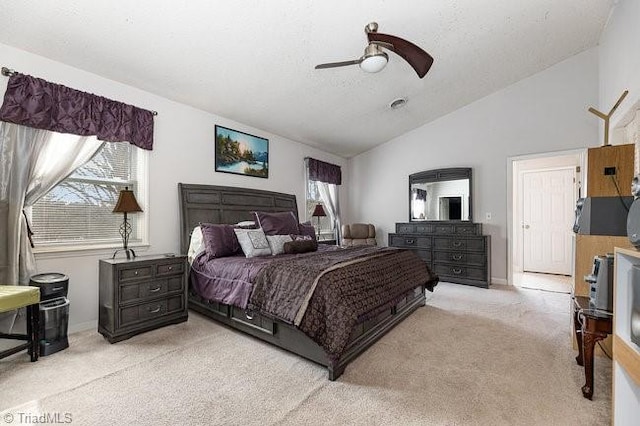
[455, 250]
[141, 294]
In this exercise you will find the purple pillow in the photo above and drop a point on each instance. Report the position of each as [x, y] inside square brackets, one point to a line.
[300, 246]
[282, 223]
[219, 240]
[307, 229]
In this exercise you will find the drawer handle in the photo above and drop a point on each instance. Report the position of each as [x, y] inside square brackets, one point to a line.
[135, 272]
[456, 271]
[463, 230]
[154, 290]
[456, 257]
[171, 268]
[154, 311]
[248, 314]
[456, 243]
[409, 241]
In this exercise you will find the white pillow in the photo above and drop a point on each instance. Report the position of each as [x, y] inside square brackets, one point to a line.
[276, 242]
[196, 245]
[253, 242]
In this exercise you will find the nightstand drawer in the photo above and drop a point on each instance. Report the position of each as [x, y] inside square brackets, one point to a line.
[148, 311]
[143, 290]
[169, 268]
[135, 274]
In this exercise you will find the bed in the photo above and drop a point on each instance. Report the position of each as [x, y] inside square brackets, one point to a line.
[231, 205]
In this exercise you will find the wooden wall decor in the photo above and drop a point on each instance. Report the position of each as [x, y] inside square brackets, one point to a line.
[607, 117]
[616, 159]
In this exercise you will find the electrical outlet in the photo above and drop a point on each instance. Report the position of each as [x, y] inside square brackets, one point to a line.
[609, 171]
[488, 216]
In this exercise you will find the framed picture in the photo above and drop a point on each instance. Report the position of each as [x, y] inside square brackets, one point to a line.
[241, 153]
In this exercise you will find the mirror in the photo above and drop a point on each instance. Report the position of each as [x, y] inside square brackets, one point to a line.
[442, 194]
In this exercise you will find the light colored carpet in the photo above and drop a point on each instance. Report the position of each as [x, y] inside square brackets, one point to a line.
[544, 282]
[471, 357]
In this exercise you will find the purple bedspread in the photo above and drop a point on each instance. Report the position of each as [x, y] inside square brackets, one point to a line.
[229, 280]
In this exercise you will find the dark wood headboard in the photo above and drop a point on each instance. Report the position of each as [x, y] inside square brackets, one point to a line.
[225, 204]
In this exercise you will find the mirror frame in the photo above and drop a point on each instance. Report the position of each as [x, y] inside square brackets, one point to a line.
[438, 175]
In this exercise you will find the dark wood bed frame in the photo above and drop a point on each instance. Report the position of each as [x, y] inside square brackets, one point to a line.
[229, 205]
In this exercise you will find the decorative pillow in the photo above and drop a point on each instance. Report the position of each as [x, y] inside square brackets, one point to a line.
[300, 246]
[196, 244]
[219, 240]
[307, 229]
[253, 242]
[276, 243]
[306, 238]
[246, 224]
[282, 223]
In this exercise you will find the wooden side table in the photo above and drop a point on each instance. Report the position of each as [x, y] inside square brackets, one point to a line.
[591, 326]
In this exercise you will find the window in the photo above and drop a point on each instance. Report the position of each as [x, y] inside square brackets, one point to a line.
[313, 198]
[78, 211]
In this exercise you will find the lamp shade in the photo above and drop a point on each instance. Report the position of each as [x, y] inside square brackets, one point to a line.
[127, 202]
[318, 211]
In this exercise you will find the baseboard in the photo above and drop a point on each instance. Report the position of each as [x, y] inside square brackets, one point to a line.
[499, 281]
[74, 328]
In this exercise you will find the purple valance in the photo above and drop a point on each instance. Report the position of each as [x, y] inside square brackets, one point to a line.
[37, 103]
[324, 172]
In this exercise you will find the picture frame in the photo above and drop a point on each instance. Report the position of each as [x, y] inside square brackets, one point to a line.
[241, 153]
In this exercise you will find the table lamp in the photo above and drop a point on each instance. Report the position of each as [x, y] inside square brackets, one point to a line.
[127, 203]
[318, 212]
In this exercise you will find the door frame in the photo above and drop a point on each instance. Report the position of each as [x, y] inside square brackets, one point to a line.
[514, 229]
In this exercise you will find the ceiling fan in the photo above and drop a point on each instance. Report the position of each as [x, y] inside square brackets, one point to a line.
[375, 58]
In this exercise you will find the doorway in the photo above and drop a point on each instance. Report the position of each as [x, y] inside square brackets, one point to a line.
[544, 190]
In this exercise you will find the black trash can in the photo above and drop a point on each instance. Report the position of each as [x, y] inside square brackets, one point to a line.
[54, 311]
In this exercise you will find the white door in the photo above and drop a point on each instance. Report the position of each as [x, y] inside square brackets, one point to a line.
[548, 204]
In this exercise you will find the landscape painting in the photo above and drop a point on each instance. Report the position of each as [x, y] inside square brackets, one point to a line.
[241, 153]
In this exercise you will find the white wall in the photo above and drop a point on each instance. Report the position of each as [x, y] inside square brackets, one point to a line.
[619, 58]
[183, 152]
[543, 113]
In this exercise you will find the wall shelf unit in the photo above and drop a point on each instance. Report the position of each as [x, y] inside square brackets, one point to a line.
[626, 354]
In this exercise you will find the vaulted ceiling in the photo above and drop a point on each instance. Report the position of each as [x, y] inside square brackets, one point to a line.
[253, 61]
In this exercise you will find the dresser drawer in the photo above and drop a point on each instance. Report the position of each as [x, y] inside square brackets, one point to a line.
[414, 228]
[135, 274]
[148, 311]
[169, 268]
[468, 229]
[466, 258]
[470, 272]
[445, 228]
[409, 241]
[472, 244]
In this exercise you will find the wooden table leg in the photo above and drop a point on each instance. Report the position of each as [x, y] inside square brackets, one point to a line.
[589, 341]
[578, 332]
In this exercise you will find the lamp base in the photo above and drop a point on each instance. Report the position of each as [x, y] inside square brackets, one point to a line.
[129, 252]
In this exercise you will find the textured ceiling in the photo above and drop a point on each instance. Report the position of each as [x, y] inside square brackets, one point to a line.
[253, 61]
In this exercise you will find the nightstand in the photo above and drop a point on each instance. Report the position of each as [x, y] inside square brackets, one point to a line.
[141, 294]
[327, 242]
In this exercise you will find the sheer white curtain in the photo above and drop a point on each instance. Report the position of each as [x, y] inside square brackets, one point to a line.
[329, 195]
[32, 162]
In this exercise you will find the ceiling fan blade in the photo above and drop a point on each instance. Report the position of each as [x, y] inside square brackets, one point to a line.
[338, 64]
[420, 60]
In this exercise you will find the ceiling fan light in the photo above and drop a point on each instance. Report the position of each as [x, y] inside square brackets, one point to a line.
[374, 63]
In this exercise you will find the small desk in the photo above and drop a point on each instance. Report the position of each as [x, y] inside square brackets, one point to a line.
[591, 326]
